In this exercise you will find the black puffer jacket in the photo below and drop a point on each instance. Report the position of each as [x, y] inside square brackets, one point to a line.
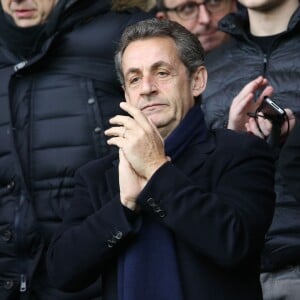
[239, 61]
[229, 68]
[54, 107]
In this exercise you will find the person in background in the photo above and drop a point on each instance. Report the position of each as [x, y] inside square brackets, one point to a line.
[58, 89]
[180, 212]
[262, 59]
[199, 17]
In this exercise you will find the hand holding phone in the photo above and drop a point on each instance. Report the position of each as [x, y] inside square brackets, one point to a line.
[271, 111]
[276, 114]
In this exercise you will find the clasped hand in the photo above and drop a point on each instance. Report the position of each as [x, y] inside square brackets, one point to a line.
[141, 151]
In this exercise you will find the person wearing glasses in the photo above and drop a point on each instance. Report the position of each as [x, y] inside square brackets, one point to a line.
[199, 17]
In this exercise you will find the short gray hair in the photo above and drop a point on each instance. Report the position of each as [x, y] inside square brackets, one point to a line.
[189, 48]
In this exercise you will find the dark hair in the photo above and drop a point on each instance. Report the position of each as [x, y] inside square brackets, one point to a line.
[189, 48]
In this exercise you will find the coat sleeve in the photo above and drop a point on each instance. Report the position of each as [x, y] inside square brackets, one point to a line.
[289, 162]
[92, 233]
[224, 211]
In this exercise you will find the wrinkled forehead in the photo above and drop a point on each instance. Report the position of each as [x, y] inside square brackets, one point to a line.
[151, 49]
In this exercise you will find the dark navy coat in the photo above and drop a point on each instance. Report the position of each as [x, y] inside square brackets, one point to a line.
[217, 199]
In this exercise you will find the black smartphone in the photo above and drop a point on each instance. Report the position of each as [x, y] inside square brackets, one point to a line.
[272, 111]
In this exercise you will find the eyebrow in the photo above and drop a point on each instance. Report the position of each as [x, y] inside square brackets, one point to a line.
[153, 67]
[130, 71]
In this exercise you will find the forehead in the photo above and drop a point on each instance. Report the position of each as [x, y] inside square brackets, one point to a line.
[145, 52]
[174, 3]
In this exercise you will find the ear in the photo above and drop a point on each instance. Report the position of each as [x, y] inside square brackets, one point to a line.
[199, 80]
[161, 15]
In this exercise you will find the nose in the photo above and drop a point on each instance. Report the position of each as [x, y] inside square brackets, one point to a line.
[204, 15]
[148, 86]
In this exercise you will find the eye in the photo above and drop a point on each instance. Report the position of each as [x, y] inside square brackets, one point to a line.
[162, 74]
[188, 9]
[214, 3]
[134, 80]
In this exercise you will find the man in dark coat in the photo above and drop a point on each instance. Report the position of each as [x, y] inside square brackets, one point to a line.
[180, 213]
[58, 88]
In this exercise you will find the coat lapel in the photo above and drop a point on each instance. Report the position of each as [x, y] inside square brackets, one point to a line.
[192, 159]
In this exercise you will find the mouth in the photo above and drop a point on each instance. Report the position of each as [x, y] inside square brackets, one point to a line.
[153, 107]
[24, 13]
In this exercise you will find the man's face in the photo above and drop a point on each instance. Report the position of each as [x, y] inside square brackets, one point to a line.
[157, 82]
[205, 24]
[27, 13]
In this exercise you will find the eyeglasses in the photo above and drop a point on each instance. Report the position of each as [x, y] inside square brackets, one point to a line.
[190, 10]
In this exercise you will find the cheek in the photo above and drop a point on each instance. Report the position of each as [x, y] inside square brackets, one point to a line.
[46, 8]
[215, 18]
[131, 98]
[5, 5]
[189, 25]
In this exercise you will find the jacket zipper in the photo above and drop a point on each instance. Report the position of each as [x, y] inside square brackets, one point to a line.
[20, 244]
[23, 283]
[265, 64]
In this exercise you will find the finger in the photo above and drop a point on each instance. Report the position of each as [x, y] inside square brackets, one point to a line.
[239, 102]
[120, 120]
[252, 86]
[248, 129]
[267, 92]
[119, 131]
[247, 94]
[137, 114]
[265, 126]
[289, 113]
[252, 127]
[117, 141]
[289, 123]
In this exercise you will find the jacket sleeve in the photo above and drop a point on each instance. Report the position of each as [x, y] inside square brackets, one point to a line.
[289, 162]
[90, 238]
[222, 213]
